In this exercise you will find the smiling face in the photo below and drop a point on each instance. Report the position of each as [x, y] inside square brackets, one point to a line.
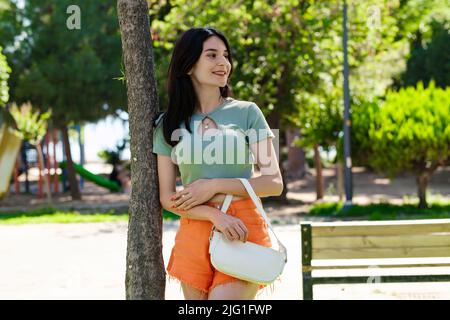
[213, 67]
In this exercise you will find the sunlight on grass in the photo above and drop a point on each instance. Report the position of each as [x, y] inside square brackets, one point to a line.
[383, 211]
[49, 215]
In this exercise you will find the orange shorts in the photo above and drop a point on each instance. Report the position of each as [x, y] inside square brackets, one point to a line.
[190, 260]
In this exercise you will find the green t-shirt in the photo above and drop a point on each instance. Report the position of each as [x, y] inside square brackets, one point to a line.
[223, 152]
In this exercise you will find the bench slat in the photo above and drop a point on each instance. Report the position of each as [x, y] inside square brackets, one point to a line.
[381, 263]
[373, 272]
[401, 241]
[378, 229]
[383, 279]
[367, 253]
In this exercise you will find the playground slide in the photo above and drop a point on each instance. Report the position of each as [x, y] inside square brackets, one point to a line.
[97, 179]
[9, 149]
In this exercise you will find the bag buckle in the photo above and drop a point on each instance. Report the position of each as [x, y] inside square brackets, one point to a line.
[212, 233]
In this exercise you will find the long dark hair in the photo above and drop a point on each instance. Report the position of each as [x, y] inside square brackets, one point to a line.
[182, 96]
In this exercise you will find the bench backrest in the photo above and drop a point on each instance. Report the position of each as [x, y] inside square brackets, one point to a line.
[375, 239]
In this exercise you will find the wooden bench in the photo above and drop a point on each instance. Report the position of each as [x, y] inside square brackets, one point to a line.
[381, 251]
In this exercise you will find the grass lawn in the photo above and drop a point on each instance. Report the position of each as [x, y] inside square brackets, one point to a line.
[50, 215]
[383, 211]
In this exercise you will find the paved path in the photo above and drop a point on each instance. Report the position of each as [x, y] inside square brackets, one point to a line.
[87, 261]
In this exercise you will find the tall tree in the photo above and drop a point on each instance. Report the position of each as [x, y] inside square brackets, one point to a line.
[429, 60]
[145, 275]
[9, 25]
[67, 62]
[32, 127]
[408, 132]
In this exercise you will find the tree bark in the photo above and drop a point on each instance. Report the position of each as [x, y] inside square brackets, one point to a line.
[45, 177]
[74, 189]
[23, 153]
[422, 182]
[423, 176]
[16, 177]
[273, 120]
[340, 179]
[55, 163]
[296, 168]
[145, 274]
[282, 198]
[319, 177]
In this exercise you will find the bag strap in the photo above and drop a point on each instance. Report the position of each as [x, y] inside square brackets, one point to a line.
[257, 202]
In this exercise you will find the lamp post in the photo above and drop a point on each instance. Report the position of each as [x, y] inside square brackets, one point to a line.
[347, 154]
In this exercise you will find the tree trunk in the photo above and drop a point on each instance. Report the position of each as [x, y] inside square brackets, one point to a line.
[46, 180]
[296, 168]
[282, 198]
[25, 164]
[422, 182]
[145, 273]
[16, 177]
[47, 166]
[340, 179]
[55, 163]
[273, 120]
[423, 176]
[319, 178]
[74, 189]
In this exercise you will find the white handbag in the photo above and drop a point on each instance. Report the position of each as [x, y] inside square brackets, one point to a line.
[247, 261]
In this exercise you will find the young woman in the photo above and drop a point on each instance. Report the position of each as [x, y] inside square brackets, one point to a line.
[202, 117]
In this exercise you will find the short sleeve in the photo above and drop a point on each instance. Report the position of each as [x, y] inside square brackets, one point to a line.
[160, 146]
[258, 128]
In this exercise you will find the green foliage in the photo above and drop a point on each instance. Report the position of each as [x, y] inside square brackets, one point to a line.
[71, 71]
[364, 120]
[411, 130]
[430, 60]
[31, 124]
[408, 131]
[113, 156]
[9, 25]
[320, 120]
[5, 70]
[109, 156]
[273, 45]
[382, 211]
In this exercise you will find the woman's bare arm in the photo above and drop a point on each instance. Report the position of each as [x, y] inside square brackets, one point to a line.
[167, 188]
[232, 227]
[270, 183]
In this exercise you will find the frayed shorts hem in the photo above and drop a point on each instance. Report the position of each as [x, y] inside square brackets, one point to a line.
[182, 280]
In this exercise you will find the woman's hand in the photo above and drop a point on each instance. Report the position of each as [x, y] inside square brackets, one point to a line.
[193, 194]
[233, 228]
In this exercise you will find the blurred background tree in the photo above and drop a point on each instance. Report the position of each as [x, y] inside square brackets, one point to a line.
[70, 71]
[32, 127]
[408, 132]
